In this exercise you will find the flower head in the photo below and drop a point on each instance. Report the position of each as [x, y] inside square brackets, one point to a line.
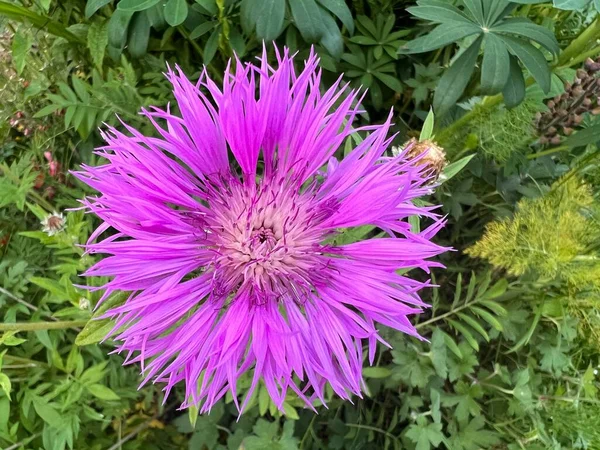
[223, 232]
[53, 223]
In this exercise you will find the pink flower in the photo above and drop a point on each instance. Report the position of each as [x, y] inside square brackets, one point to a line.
[222, 233]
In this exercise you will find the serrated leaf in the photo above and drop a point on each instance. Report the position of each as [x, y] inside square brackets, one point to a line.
[532, 59]
[21, 43]
[307, 19]
[495, 67]
[454, 81]
[92, 6]
[441, 36]
[339, 9]
[527, 29]
[514, 89]
[136, 5]
[175, 12]
[97, 41]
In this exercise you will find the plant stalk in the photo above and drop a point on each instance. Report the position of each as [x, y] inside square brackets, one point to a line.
[39, 326]
[579, 44]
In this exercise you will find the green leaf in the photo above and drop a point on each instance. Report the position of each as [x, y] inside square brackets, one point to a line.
[97, 41]
[332, 38]
[94, 5]
[496, 10]
[425, 434]
[139, 35]
[514, 90]
[441, 36]
[451, 344]
[94, 332]
[5, 384]
[21, 44]
[439, 12]
[376, 372]
[465, 333]
[427, 130]
[495, 67]
[455, 79]
[175, 12]
[488, 317]
[47, 412]
[339, 9]
[392, 82]
[117, 28]
[102, 392]
[454, 168]
[307, 19]
[475, 7]
[587, 136]
[571, 5]
[527, 29]
[212, 45]
[202, 29]
[135, 5]
[474, 324]
[269, 24]
[532, 59]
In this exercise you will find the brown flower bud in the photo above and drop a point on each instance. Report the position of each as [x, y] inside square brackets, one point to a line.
[587, 101]
[581, 73]
[595, 111]
[552, 131]
[577, 91]
[567, 131]
[555, 140]
[543, 140]
[429, 153]
[589, 63]
[551, 104]
[577, 119]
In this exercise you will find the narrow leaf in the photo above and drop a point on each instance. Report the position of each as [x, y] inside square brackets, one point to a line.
[339, 9]
[441, 36]
[307, 19]
[94, 5]
[439, 12]
[427, 130]
[270, 22]
[532, 59]
[495, 68]
[136, 5]
[514, 89]
[527, 29]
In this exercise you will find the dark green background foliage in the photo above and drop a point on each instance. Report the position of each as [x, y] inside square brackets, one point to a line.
[512, 356]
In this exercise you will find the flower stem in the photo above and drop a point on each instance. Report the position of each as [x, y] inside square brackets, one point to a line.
[39, 326]
[578, 45]
[550, 151]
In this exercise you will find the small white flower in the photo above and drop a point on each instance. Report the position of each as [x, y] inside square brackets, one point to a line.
[84, 304]
[53, 223]
[595, 371]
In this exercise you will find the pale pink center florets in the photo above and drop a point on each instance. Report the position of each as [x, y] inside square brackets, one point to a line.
[266, 238]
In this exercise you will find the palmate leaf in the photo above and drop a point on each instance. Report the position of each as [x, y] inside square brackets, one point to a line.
[455, 79]
[514, 90]
[443, 35]
[439, 12]
[532, 59]
[529, 30]
[495, 68]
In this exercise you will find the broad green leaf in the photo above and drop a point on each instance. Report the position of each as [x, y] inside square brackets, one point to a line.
[269, 24]
[332, 38]
[117, 28]
[94, 5]
[455, 79]
[202, 29]
[175, 12]
[139, 35]
[21, 44]
[339, 9]
[571, 5]
[250, 11]
[514, 89]
[427, 130]
[136, 5]
[529, 30]
[102, 392]
[532, 59]
[439, 12]
[307, 19]
[47, 412]
[94, 332]
[584, 137]
[441, 36]
[97, 41]
[453, 169]
[495, 67]
[475, 7]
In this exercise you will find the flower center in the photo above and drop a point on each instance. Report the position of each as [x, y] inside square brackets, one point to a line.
[266, 238]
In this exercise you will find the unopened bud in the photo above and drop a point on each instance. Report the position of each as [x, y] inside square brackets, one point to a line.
[595, 111]
[555, 140]
[577, 119]
[429, 154]
[587, 101]
[551, 104]
[568, 131]
[84, 304]
[552, 130]
[589, 63]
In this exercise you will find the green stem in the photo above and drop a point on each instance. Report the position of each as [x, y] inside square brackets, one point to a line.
[561, 148]
[578, 45]
[581, 58]
[39, 326]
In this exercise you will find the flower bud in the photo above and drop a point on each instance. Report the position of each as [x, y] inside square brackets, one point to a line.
[428, 154]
